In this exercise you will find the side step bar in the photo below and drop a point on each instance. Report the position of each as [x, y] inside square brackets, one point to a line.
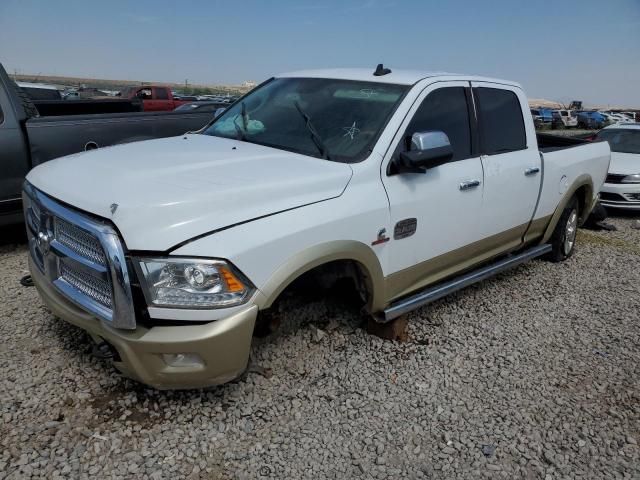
[432, 294]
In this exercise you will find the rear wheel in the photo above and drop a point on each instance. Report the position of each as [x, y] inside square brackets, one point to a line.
[563, 240]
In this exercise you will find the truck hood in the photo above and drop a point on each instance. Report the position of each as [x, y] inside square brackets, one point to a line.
[624, 163]
[170, 190]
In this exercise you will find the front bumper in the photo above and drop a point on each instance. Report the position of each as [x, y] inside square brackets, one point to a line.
[223, 345]
[621, 195]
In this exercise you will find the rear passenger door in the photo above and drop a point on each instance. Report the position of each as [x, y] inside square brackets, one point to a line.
[510, 160]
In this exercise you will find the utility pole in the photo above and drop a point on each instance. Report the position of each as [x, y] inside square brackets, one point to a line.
[186, 85]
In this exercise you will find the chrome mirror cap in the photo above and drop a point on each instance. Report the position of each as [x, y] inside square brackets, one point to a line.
[429, 140]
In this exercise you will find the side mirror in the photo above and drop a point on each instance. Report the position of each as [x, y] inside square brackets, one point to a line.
[219, 111]
[427, 150]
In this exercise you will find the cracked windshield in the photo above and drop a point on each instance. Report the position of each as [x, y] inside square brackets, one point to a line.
[333, 119]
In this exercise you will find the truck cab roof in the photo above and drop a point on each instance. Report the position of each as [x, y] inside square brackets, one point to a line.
[396, 76]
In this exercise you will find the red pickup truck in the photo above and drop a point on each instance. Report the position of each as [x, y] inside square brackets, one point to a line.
[154, 98]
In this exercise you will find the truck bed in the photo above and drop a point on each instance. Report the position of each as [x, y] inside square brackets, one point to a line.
[29, 138]
[565, 160]
[549, 143]
[52, 137]
[51, 108]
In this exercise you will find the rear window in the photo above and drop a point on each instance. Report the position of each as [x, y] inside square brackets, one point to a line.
[500, 121]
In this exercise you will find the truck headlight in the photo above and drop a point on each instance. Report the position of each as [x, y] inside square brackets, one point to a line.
[191, 283]
[635, 178]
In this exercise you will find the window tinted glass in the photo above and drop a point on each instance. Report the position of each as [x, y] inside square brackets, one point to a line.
[500, 121]
[445, 109]
[144, 93]
[161, 94]
[1, 116]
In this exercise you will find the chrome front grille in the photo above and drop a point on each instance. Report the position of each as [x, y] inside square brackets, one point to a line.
[80, 241]
[82, 257]
[91, 286]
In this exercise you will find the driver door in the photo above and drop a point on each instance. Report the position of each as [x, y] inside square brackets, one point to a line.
[444, 202]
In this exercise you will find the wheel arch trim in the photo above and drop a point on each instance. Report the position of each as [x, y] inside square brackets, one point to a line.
[317, 255]
[583, 180]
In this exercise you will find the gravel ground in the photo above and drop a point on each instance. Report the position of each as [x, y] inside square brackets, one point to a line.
[533, 374]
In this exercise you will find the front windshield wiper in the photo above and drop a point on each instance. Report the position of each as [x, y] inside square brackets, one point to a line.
[242, 131]
[315, 137]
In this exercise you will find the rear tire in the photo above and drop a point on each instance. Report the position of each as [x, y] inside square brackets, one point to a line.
[563, 239]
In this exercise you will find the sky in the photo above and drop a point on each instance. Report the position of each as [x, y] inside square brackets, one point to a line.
[559, 50]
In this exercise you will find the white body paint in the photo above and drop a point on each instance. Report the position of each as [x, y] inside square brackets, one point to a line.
[259, 207]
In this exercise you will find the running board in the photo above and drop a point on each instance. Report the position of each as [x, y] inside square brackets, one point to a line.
[434, 293]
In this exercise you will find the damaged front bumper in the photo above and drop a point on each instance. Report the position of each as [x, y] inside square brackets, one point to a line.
[221, 347]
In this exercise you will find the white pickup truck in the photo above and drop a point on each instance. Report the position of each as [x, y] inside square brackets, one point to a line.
[412, 184]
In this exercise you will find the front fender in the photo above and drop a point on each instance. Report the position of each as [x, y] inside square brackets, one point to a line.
[316, 255]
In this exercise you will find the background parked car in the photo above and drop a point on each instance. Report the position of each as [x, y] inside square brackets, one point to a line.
[618, 117]
[154, 98]
[622, 186]
[31, 133]
[186, 98]
[591, 120]
[610, 119]
[201, 106]
[542, 117]
[564, 118]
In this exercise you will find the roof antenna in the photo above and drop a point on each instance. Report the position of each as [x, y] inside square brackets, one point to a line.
[381, 70]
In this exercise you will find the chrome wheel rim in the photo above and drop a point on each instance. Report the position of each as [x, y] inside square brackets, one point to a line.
[570, 232]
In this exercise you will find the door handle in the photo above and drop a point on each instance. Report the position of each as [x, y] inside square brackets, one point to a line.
[469, 185]
[531, 171]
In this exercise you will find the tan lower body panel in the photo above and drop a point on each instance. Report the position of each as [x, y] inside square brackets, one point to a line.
[223, 345]
[536, 229]
[446, 265]
[582, 189]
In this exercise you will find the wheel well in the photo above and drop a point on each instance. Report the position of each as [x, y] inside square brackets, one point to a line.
[329, 276]
[582, 194]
